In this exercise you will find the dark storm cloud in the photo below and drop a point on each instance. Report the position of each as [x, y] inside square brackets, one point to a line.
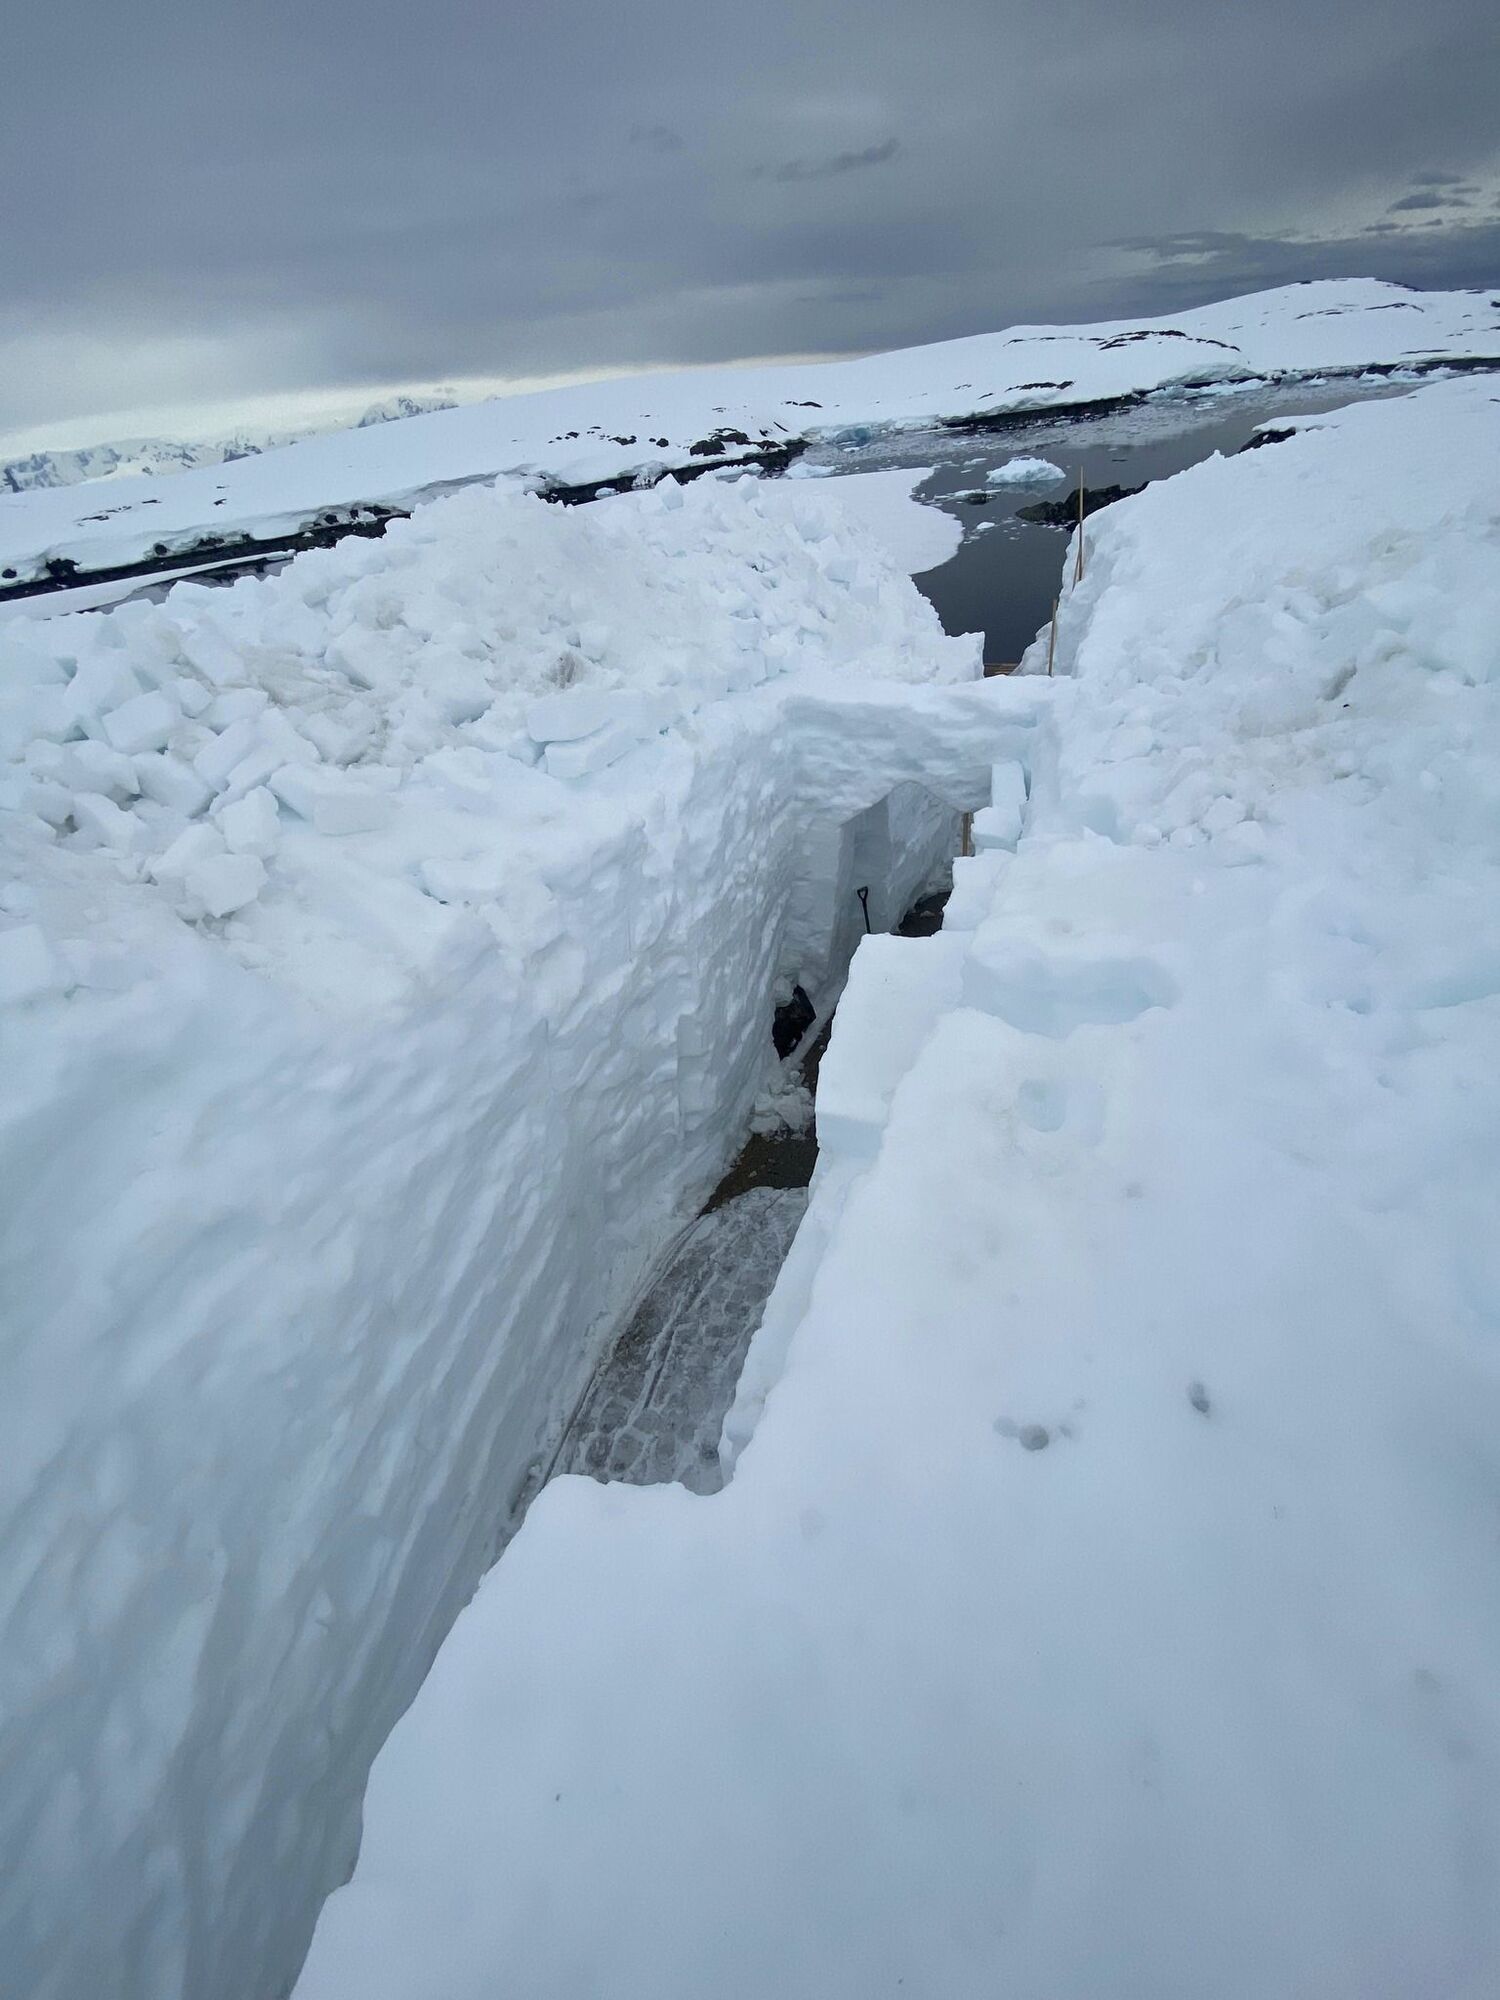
[1190, 269]
[822, 170]
[656, 138]
[209, 203]
[1421, 201]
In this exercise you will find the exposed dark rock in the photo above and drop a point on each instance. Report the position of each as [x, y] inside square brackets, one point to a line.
[716, 443]
[1165, 333]
[792, 1021]
[1259, 438]
[1064, 513]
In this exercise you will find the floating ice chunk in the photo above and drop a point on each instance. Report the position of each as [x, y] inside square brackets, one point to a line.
[143, 723]
[332, 801]
[1025, 472]
[252, 825]
[28, 968]
[225, 883]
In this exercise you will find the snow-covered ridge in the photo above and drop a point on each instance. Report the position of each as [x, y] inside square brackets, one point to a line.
[387, 952]
[634, 428]
[154, 456]
[1104, 1599]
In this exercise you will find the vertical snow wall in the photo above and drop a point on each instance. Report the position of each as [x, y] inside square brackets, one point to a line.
[318, 1212]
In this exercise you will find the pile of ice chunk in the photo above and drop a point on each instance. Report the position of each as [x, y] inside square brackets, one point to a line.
[481, 650]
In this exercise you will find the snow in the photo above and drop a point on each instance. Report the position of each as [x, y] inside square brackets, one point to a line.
[1103, 1599]
[358, 1067]
[636, 427]
[1025, 472]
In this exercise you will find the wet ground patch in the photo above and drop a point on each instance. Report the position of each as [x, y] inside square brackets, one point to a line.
[656, 1405]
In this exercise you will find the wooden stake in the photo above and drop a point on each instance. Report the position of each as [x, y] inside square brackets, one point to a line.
[1078, 568]
[1052, 641]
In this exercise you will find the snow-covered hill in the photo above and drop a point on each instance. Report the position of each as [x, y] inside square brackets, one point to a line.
[151, 457]
[633, 428]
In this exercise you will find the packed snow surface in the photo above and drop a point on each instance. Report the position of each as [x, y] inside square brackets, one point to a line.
[1104, 1602]
[388, 952]
[656, 1408]
[634, 428]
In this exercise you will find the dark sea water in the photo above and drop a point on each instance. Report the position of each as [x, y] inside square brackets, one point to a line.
[1005, 575]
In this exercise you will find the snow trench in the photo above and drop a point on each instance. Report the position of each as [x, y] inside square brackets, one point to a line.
[1104, 1601]
[320, 1210]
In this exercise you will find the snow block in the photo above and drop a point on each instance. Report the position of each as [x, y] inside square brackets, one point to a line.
[106, 822]
[252, 825]
[170, 781]
[576, 712]
[94, 767]
[225, 882]
[28, 969]
[593, 753]
[976, 882]
[897, 990]
[999, 823]
[332, 802]
[142, 724]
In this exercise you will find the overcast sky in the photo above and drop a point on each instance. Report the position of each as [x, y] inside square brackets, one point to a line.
[277, 205]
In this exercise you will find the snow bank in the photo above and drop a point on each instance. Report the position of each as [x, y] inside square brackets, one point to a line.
[1104, 1601]
[634, 428]
[387, 952]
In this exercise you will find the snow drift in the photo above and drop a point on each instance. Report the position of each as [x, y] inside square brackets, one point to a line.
[1104, 1600]
[387, 952]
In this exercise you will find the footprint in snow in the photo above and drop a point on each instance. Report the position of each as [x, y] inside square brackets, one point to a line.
[1030, 1437]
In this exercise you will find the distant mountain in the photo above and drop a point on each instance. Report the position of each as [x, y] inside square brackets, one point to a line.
[163, 455]
[395, 407]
